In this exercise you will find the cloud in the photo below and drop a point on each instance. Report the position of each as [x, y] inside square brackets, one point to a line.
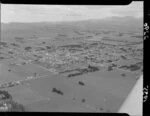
[134, 9]
[36, 13]
[128, 13]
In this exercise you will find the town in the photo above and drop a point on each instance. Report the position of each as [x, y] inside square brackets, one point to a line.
[83, 58]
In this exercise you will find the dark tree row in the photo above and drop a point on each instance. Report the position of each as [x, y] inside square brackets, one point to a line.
[85, 70]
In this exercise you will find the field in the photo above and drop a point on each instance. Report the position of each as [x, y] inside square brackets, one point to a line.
[85, 66]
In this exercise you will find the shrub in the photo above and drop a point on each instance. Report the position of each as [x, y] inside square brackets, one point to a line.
[4, 95]
[28, 48]
[123, 75]
[81, 83]
[15, 107]
[110, 68]
[57, 91]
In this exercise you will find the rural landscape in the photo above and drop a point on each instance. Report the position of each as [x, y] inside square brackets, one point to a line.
[79, 66]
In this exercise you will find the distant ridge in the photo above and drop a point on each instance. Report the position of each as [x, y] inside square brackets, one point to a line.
[114, 18]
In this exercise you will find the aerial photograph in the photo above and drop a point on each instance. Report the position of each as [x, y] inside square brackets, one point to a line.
[69, 58]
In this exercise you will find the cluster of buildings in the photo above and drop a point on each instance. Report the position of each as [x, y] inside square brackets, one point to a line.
[93, 55]
[9, 84]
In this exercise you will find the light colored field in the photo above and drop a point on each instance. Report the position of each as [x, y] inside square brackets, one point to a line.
[105, 90]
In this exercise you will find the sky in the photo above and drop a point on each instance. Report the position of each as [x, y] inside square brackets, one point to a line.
[54, 13]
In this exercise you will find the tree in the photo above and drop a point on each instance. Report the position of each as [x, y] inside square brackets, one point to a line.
[110, 68]
[48, 47]
[4, 44]
[83, 100]
[28, 48]
[4, 95]
[14, 44]
[81, 83]
[57, 91]
[123, 75]
[20, 40]
[92, 68]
